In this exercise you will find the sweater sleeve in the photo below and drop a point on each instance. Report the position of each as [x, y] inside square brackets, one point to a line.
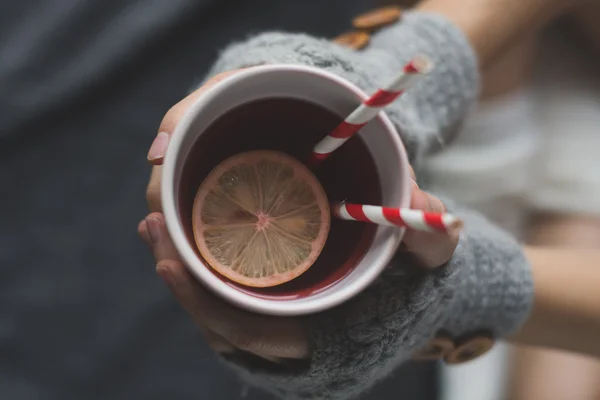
[485, 286]
[427, 115]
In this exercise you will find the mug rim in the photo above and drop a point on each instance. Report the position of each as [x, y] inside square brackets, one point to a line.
[201, 271]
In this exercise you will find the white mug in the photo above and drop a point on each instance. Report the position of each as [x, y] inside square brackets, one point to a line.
[330, 92]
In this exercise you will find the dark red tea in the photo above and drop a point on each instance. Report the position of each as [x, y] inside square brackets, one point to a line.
[294, 127]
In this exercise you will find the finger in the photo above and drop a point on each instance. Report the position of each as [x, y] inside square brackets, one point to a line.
[216, 342]
[159, 146]
[268, 337]
[153, 231]
[261, 335]
[164, 269]
[433, 249]
[143, 232]
[164, 248]
[153, 197]
[421, 200]
[160, 241]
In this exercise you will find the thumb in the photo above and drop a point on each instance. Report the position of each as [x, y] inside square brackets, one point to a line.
[433, 249]
[159, 146]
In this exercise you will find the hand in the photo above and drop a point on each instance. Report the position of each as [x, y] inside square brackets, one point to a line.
[225, 327]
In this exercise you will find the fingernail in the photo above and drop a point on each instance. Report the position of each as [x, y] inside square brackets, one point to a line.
[159, 146]
[166, 276]
[415, 183]
[143, 231]
[154, 230]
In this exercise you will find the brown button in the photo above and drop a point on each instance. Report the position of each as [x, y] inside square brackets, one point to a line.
[354, 40]
[469, 350]
[377, 18]
[436, 349]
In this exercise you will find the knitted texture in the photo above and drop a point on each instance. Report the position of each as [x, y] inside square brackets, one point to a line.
[427, 114]
[486, 286]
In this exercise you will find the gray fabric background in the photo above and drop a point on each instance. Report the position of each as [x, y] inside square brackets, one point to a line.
[83, 86]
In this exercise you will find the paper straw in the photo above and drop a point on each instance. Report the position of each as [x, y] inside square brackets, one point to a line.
[369, 109]
[401, 217]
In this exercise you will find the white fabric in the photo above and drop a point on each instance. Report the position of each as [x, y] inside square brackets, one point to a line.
[482, 379]
[489, 166]
[567, 92]
[536, 149]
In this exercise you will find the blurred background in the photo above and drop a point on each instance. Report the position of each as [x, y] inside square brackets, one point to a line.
[83, 88]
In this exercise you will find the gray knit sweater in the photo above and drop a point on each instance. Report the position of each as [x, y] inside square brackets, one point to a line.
[486, 286]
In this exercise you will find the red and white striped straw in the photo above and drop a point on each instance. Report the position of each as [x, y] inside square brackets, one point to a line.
[401, 217]
[369, 109]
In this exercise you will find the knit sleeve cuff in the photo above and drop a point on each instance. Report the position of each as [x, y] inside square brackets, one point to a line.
[428, 114]
[365, 339]
[486, 286]
[494, 291]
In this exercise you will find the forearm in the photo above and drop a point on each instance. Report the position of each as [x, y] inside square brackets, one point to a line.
[492, 26]
[566, 311]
